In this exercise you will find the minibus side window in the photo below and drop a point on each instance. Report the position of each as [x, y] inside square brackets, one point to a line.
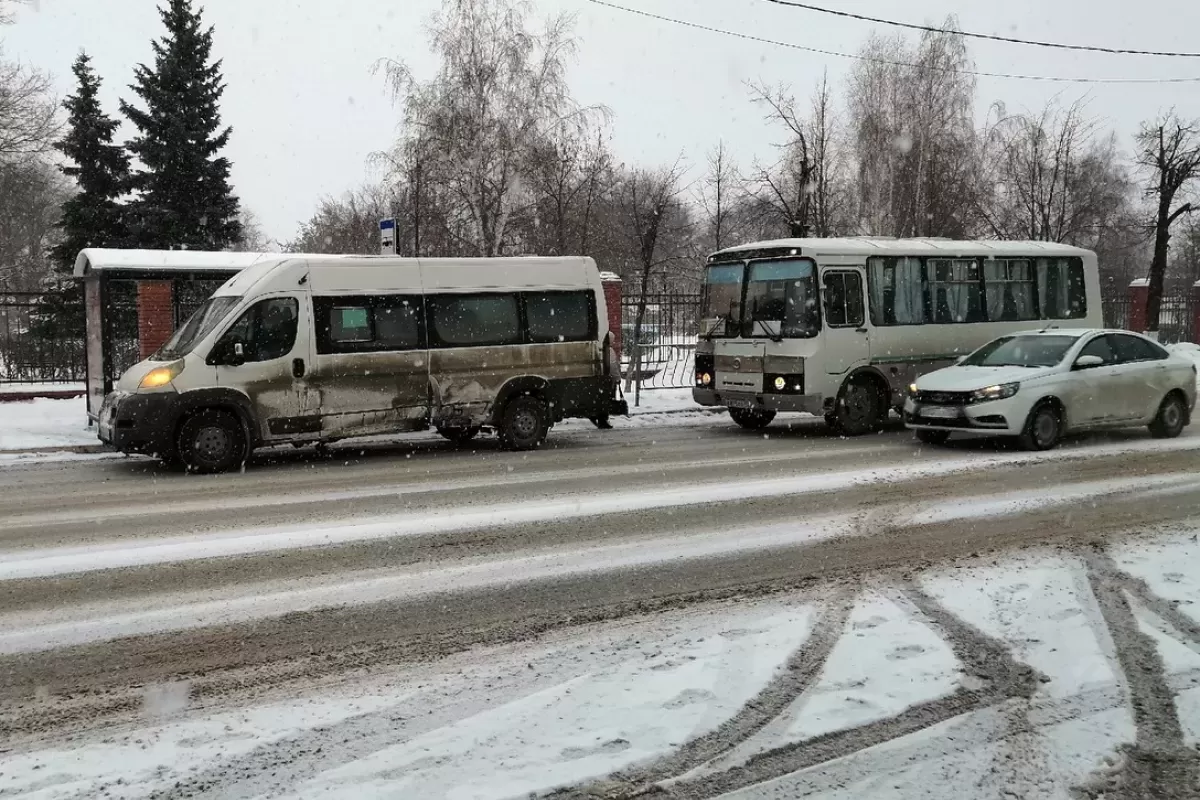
[560, 316]
[266, 330]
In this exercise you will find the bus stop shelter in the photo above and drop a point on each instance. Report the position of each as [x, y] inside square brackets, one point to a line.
[134, 299]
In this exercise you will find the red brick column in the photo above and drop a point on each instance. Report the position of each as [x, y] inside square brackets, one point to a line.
[613, 292]
[1139, 295]
[1196, 313]
[156, 315]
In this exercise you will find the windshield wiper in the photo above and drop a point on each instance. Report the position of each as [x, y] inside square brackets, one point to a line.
[774, 337]
[720, 320]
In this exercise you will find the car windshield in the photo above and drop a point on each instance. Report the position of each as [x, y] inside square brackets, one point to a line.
[201, 323]
[782, 292]
[1022, 351]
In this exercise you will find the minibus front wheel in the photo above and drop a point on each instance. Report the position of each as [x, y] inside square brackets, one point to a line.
[211, 441]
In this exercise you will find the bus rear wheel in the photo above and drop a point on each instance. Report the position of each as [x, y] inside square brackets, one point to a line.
[860, 409]
[524, 424]
[752, 419]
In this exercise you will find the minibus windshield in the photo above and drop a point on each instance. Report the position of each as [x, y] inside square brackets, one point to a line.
[198, 325]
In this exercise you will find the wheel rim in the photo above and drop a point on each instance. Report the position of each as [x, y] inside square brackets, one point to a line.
[1172, 415]
[859, 407]
[212, 444]
[525, 423]
[1045, 427]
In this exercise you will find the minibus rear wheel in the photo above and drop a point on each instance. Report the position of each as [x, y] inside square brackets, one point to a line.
[524, 424]
[211, 441]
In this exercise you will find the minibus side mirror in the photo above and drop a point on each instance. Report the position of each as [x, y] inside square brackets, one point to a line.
[228, 353]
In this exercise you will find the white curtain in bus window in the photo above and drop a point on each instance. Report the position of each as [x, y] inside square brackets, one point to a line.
[897, 291]
[1061, 289]
[1008, 285]
[954, 294]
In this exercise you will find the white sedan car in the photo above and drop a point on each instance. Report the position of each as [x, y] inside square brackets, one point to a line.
[1039, 385]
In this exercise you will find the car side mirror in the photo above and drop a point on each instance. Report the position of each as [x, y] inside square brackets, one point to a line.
[959, 360]
[1087, 362]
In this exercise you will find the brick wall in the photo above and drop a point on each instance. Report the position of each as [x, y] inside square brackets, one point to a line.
[1139, 297]
[613, 292]
[156, 315]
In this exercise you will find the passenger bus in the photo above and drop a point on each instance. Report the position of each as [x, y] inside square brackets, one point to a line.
[840, 327]
[312, 349]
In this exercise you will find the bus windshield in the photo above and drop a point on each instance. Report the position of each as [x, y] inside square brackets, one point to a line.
[722, 302]
[784, 292]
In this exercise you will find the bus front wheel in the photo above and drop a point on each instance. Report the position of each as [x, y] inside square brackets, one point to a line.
[860, 409]
[752, 419]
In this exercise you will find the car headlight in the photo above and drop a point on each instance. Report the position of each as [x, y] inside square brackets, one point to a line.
[999, 392]
[912, 388]
[159, 377]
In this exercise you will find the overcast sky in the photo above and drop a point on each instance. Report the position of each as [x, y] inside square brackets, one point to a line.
[307, 110]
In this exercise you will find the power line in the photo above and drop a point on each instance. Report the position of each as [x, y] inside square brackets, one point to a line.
[791, 46]
[988, 36]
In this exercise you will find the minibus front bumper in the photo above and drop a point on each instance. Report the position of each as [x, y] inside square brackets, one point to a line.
[805, 403]
[138, 423]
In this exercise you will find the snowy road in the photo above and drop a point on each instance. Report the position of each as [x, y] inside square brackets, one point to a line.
[689, 606]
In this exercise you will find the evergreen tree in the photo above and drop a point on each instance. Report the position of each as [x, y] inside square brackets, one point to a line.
[92, 217]
[184, 198]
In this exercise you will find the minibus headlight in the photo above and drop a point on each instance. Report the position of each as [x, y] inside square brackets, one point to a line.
[705, 379]
[780, 383]
[159, 377]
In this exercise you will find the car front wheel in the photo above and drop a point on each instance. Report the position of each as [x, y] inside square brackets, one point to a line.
[1043, 429]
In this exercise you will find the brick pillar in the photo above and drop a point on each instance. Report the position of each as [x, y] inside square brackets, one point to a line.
[613, 291]
[1139, 295]
[156, 315]
[1196, 313]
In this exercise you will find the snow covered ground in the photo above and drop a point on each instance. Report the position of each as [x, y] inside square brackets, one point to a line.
[994, 678]
[44, 424]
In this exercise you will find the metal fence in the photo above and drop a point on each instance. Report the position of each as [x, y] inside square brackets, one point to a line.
[38, 344]
[1176, 318]
[662, 354]
[33, 349]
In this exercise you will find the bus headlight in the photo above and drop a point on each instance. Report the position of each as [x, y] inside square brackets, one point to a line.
[780, 384]
[704, 379]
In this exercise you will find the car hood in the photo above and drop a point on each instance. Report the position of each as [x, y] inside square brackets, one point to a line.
[967, 379]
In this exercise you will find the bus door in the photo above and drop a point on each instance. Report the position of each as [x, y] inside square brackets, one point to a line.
[845, 342]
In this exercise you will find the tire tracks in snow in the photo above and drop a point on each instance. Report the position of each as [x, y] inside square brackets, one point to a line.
[1159, 765]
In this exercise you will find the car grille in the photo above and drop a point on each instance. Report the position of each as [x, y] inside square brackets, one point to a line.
[943, 398]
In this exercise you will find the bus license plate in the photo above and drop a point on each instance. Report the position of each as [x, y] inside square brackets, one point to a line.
[939, 412]
[737, 402]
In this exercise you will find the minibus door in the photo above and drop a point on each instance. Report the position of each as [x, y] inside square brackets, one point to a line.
[266, 355]
[845, 344]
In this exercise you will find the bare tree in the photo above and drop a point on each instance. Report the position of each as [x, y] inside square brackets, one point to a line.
[717, 199]
[911, 119]
[348, 224]
[828, 181]
[254, 239]
[28, 112]
[31, 194]
[652, 216]
[568, 174]
[1169, 148]
[499, 93]
[1050, 176]
[785, 187]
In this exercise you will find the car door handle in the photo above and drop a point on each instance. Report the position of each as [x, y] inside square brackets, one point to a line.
[860, 330]
[297, 367]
